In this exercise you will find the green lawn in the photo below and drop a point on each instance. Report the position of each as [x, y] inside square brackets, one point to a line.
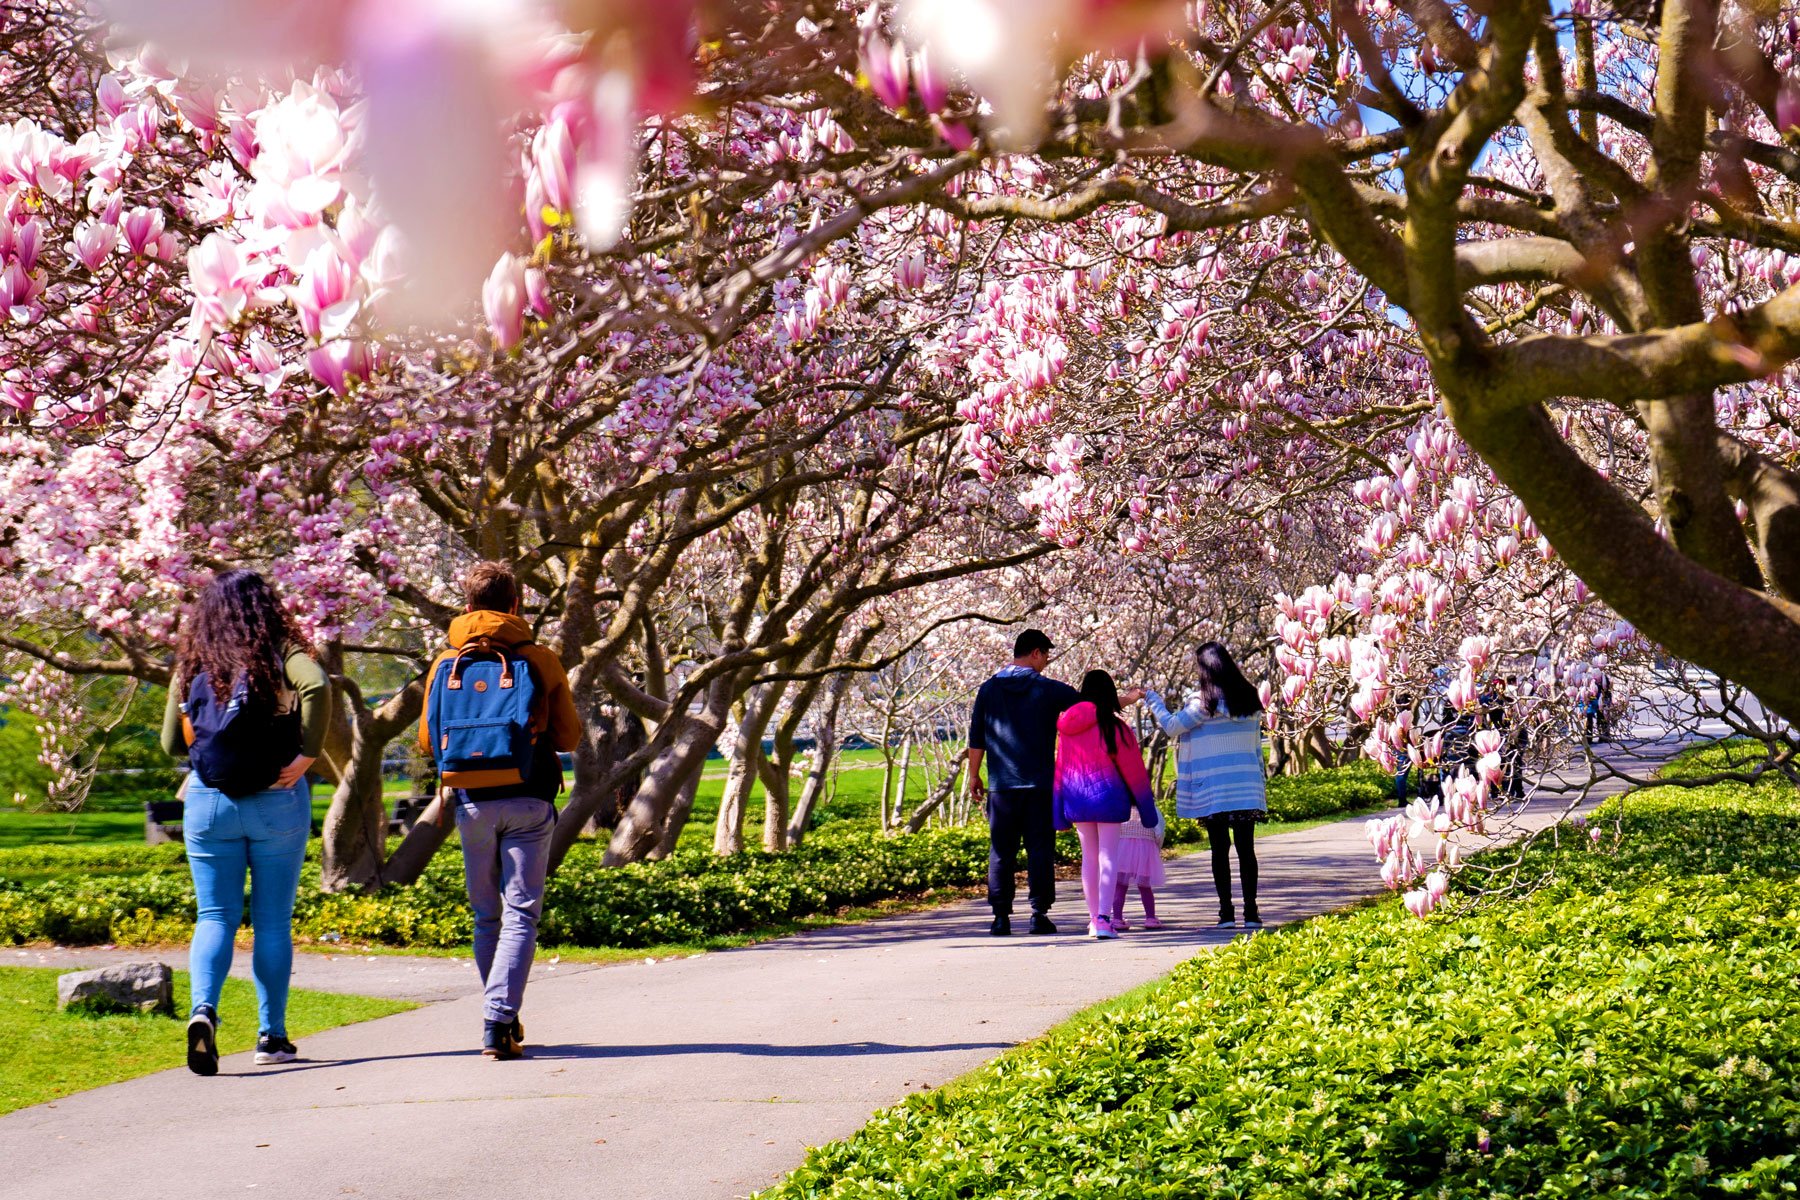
[46, 1054]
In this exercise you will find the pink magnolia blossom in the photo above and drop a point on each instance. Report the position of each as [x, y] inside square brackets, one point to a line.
[303, 148]
[554, 164]
[325, 296]
[934, 92]
[503, 301]
[143, 229]
[885, 67]
[224, 282]
[338, 364]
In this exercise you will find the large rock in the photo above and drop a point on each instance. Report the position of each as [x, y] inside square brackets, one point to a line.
[146, 987]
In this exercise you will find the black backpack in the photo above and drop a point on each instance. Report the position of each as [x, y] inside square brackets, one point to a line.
[238, 745]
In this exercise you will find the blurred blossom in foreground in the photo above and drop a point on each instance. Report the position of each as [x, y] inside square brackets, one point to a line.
[440, 81]
[1009, 50]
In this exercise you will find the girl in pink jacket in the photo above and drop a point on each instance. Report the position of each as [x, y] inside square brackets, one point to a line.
[1100, 780]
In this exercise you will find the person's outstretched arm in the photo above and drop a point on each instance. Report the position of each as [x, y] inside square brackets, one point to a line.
[1182, 720]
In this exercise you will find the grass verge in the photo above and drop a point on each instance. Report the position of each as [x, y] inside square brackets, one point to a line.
[1630, 1029]
[46, 1054]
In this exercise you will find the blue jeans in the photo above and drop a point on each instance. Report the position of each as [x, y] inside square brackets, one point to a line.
[265, 834]
[506, 852]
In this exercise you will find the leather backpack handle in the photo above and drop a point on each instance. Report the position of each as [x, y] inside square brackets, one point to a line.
[480, 645]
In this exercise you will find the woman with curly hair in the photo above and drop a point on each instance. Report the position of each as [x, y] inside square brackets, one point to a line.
[248, 707]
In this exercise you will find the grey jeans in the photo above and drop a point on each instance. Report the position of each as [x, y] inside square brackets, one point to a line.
[506, 849]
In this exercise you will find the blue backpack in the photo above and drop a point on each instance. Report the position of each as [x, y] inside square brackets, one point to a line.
[478, 715]
[238, 743]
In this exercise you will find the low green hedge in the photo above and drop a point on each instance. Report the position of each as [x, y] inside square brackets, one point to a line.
[128, 894]
[1322, 793]
[1630, 1029]
[690, 896]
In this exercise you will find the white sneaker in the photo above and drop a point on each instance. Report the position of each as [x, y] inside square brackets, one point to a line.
[1102, 930]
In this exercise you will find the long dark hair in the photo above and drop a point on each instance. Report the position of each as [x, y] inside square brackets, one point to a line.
[1098, 688]
[1222, 686]
[236, 626]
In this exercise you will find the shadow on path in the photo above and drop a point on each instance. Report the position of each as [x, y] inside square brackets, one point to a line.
[589, 1051]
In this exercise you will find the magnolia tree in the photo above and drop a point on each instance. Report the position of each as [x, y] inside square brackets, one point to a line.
[1553, 220]
[1454, 300]
[272, 408]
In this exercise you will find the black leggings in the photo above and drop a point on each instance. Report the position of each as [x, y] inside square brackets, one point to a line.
[1221, 832]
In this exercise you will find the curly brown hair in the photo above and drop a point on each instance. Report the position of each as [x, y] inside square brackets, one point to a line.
[236, 626]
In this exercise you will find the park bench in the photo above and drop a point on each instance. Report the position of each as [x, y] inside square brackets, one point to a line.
[162, 821]
[162, 818]
[407, 811]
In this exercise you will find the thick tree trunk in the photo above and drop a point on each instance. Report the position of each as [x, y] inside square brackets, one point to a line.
[745, 751]
[740, 781]
[355, 835]
[611, 735]
[1744, 635]
[935, 801]
[645, 818]
[776, 796]
[679, 812]
[906, 753]
[421, 843]
[825, 750]
[354, 840]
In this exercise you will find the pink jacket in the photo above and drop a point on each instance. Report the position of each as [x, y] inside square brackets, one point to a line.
[1092, 785]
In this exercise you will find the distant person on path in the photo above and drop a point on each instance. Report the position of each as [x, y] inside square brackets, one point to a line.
[1595, 711]
[1219, 776]
[497, 710]
[1014, 725]
[1100, 781]
[1510, 721]
[248, 707]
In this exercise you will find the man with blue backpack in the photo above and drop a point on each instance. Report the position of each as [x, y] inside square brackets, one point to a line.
[497, 711]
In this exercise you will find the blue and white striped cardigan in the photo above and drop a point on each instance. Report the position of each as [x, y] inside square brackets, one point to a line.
[1218, 759]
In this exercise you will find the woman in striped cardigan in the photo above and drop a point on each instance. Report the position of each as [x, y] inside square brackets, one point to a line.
[1219, 770]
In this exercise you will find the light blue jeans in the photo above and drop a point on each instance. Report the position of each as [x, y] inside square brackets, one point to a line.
[264, 834]
[506, 852]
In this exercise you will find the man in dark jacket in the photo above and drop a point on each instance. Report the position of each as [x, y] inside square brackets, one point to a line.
[1014, 728]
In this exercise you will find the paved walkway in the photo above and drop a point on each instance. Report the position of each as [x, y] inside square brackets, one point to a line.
[698, 1077]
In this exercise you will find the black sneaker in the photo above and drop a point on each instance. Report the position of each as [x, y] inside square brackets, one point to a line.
[203, 1041]
[497, 1041]
[1251, 920]
[1227, 919]
[1041, 924]
[1002, 926]
[274, 1048]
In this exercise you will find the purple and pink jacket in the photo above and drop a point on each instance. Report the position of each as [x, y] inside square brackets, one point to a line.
[1089, 787]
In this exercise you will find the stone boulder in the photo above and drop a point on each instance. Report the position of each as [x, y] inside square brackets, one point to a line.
[145, 987]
